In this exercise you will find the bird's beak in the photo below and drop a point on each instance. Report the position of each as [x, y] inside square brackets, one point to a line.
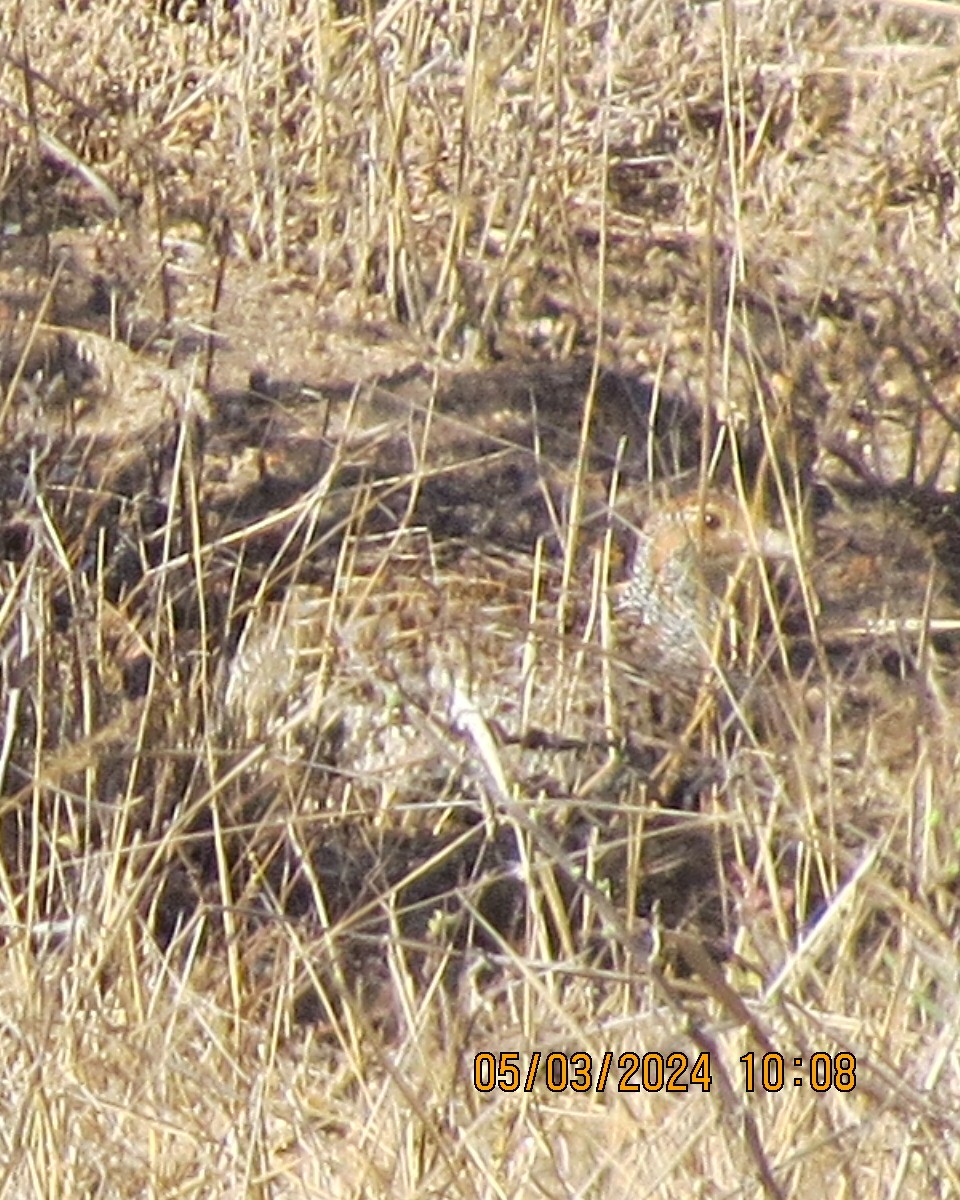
[775, 545]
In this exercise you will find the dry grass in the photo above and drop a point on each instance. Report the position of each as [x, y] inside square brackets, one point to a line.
[289, 288]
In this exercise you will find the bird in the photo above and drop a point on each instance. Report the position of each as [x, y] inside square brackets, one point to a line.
[689, 567]
[405, 658]
[411, 645]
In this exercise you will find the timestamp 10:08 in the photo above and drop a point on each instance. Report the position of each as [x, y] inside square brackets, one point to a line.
[632, 1071]
[825, 1072]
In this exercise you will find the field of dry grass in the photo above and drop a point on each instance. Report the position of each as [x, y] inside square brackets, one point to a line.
[342, 347]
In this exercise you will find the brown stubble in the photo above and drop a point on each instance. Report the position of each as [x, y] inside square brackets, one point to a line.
[403, 182]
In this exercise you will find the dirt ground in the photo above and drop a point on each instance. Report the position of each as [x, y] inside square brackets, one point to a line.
[344, 347]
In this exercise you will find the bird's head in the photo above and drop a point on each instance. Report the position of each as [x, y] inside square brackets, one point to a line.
[688, 557]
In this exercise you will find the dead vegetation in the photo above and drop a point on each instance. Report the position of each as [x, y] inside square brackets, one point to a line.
[340, 336]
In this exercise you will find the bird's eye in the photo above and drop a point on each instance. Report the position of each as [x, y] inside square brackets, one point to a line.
[711, 519]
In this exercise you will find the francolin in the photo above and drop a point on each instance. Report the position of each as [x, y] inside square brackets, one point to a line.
[392, 670]
[691, 566]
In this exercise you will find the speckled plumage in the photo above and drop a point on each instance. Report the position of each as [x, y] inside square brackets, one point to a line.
[687, 556]
[387, 668]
